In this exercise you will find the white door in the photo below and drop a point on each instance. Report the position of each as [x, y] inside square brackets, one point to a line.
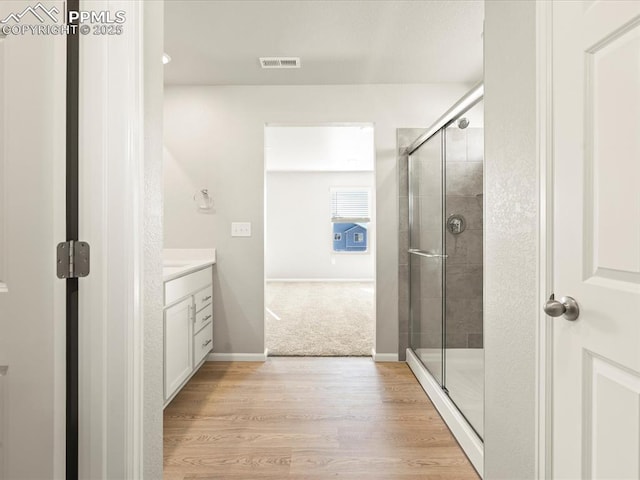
[596, 366]
[32, 324]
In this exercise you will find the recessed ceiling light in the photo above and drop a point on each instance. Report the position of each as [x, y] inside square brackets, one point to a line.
[165, 58]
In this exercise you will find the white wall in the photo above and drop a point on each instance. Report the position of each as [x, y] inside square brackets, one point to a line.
[214, 138]
[299, 241]
[511, 307]
[313, 148]
[153, 375]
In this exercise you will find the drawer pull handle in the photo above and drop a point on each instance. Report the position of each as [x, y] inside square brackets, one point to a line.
[206, 318]
[206, 298]
[206, 343]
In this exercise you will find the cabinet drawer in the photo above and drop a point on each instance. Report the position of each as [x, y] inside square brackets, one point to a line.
[202, 344]
[203, 317]
[203, 298]
[183, 286]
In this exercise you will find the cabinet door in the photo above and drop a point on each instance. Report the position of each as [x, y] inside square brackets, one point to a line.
[177, 345]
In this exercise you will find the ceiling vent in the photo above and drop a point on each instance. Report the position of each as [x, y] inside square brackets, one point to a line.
[280, 62]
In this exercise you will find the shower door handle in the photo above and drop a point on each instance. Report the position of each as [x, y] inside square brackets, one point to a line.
[424, 253]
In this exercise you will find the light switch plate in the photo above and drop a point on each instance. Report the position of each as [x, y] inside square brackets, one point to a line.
[241, 229]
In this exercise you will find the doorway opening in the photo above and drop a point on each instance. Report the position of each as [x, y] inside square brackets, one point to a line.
[319, 240]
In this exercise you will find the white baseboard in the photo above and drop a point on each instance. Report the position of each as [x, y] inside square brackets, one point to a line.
[238, 357]
[467, 438]
[383, 357]
[320, 280]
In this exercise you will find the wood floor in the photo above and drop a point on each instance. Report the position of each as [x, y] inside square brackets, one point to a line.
[308, 418]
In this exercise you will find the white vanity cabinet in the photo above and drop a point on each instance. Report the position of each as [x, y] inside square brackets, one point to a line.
[188, 326]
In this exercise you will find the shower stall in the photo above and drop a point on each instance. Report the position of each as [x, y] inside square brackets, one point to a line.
[445, 257]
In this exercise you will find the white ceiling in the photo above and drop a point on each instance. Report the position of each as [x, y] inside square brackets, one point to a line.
[326, 148]
[218, 42]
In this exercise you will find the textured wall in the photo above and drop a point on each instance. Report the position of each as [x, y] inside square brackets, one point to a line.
[511, 231]
[152, 242]
[214, 138]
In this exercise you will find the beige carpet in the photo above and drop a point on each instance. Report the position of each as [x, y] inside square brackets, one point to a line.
[319, 318]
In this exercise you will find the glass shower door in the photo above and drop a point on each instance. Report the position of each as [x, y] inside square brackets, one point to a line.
[426, 215]
[464, 353]
[446, 257]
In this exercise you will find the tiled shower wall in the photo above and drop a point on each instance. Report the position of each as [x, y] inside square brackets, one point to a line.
[464, 181]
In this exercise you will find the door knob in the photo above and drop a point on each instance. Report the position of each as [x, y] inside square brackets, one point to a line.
[567, 306]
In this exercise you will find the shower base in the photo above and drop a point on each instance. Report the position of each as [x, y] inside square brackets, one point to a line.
[466, 436]
[464, 379]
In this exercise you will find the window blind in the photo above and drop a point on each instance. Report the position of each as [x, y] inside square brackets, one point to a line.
[350, 206]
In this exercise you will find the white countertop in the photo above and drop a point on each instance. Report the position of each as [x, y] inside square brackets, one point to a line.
[179, 262]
